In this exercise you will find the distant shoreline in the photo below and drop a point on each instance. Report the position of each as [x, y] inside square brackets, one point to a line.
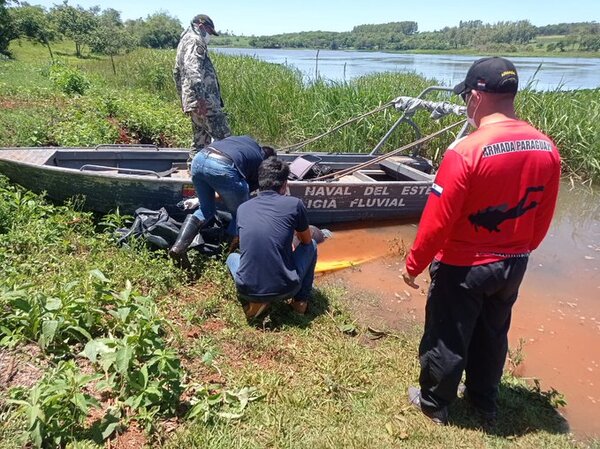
[463, 52]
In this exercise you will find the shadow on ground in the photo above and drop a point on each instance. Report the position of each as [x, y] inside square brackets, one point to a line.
[282, 315]
[522, 410]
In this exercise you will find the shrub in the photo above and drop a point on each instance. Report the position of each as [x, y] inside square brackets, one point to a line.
[68, 80]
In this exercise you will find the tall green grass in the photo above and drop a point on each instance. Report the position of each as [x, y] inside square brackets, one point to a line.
[271, 102]
[571, 118]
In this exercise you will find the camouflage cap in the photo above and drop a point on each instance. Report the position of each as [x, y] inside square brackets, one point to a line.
[203, 19]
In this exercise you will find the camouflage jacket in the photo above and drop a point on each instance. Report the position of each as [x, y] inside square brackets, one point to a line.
[194, 73]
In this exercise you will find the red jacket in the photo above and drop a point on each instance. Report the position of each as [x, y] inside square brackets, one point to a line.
[493, 197]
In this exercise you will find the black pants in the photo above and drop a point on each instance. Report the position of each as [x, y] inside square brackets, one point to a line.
[467, 319]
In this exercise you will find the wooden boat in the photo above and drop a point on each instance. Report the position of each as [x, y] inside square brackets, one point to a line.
[126, 178]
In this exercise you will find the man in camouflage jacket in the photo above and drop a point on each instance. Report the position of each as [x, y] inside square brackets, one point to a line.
[197, 83]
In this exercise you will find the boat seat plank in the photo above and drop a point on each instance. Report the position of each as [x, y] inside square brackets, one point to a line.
[363, 177]
[37, 157]
[395, 168]
[128, 171]
[181, 174]
[350, 179]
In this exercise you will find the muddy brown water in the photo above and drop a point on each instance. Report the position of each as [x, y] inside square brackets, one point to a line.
[557, 315]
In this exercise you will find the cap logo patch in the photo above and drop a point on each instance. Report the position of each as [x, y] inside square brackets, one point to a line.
[508, 72]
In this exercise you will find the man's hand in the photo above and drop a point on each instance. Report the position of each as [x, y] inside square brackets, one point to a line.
[408, 279]
[191, 203]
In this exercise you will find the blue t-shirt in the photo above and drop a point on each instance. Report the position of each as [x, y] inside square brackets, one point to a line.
[266, 226]
[246, 155]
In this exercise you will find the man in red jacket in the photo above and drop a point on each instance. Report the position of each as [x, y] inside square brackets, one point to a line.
[490, 205]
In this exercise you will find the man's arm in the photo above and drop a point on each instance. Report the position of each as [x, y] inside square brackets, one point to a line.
[302, 226]
[304, 236]
[443, 208]
[195, 72]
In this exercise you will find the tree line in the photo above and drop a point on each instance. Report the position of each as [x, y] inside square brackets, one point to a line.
[102, 31]
[473, 34]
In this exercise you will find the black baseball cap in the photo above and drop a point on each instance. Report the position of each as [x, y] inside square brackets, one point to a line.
[207, 22]
[493, 74]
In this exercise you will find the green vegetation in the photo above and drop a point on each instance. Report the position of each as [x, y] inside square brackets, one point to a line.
[99, 342]
[229, 40]
[108, 349]
[568, 117]
[8, 30]
[469, 36]
[101, 31]
[84, 103]
[125, 341]
[104, 32]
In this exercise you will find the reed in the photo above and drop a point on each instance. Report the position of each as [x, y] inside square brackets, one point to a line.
[277, 105]
[571, 118]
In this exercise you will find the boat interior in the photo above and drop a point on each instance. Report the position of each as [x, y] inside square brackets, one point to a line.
[159, 164]
[172, 163]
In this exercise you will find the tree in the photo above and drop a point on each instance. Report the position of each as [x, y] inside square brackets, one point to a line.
[160, 30]
[110, 36]
[8, 31]
[33, 22]
[76, 23]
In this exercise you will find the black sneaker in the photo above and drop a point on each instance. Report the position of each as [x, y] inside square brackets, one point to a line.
[439, 417]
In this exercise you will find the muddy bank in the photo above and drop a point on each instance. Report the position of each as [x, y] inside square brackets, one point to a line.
[557, 315]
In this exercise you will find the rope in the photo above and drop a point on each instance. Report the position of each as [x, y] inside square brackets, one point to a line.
[352, 120]
[352, 169]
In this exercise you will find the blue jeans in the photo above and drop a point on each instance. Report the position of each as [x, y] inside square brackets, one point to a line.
[305, 259]
[211, 175]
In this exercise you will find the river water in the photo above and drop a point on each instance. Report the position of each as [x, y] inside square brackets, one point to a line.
[543, 73]
[557, 314]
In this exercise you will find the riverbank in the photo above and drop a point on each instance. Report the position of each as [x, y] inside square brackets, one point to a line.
[240, 42]
[271, 102]
[555, 334]
[106, 342]
[170, 345]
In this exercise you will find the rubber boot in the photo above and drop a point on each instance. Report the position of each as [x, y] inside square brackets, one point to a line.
[187, 233]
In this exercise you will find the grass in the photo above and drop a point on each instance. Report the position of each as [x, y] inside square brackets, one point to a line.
[325, 389]
[321, 386]
[569, 118]
[231, 41]
[270, 102]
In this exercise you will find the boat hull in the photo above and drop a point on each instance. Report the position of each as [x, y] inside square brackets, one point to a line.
[56, 173]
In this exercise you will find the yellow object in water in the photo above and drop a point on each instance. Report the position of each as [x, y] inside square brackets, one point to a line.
[335, 265]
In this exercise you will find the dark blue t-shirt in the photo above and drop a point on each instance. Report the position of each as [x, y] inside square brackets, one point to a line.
[266, 226]
[246, 155]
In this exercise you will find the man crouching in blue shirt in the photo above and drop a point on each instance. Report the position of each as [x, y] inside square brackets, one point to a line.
[268, 268]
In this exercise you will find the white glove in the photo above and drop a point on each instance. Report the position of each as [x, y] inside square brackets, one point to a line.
[191, 203]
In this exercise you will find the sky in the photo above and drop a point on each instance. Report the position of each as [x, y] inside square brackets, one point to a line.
[266, 17]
